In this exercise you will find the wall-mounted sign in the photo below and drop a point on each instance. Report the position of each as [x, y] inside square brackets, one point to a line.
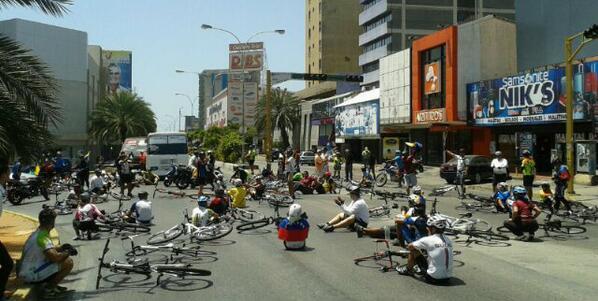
[427, 116]
[253, 60]
[432, 78]
[246, 46]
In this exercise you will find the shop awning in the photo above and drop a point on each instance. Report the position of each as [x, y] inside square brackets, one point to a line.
[364, 96]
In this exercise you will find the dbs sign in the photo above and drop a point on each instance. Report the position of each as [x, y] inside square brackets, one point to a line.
[432, 78]
[251, 60]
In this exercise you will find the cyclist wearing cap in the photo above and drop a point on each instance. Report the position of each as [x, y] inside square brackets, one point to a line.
[238, 193]
[417, 200]
[202, 215]
[439, 248]
[524, 215]
[294, 229]
[219, 203]
[501, 198]
[85, 218]
[141, 210]
[547, 197]
[356, 212]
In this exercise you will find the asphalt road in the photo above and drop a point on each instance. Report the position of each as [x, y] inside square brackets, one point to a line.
[255, 266]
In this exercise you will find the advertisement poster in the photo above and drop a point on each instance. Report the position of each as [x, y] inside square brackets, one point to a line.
[390, 145]
[119, 73]
[357, 120]
[216, 114]
[526, 141]
[432, 80]
[533, 98]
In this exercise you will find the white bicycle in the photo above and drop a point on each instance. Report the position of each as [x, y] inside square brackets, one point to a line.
[211, 231]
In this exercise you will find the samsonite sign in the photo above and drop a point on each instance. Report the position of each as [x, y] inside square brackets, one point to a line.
[532, 98]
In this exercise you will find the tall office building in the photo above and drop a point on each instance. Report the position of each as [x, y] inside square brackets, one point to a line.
[211, 82]
[389, 26]
[331, 37]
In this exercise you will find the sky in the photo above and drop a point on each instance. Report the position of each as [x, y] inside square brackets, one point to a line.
[165, 35]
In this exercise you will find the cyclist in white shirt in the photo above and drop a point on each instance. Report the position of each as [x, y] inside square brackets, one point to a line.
[356, 212]
[500, 170]
[85, 217]
[97, 184]
[202, 215]
[141, 210]
[461, 171]
[439, 249]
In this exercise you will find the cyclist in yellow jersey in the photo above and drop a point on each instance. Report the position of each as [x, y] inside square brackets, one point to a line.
[528, 168]
[237, 194]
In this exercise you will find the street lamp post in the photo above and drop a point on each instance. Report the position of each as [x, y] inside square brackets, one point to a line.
[190, 101]
[199, 104]
[243, 126]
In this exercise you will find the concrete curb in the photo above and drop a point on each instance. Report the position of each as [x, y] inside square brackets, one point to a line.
[22, 293]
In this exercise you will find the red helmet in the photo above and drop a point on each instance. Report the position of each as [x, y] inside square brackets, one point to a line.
[328, 174]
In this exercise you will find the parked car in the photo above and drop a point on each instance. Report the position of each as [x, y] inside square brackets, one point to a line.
[307, 157]
[477, 169]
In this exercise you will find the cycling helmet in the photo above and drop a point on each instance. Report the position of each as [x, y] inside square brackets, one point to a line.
[220, 177]
[202, 201]
[328, 174]
[526, 153]
[414, 199]
[498, 153]
[295, 212]
[436, 222]
[353, 189]
[209, 152]
[398, 152]
[501, 186]
[519, 191]
[237, 182]
[416, 189]
[85, 197]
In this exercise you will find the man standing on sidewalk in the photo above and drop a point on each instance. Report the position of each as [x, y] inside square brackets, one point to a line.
[365, 158]
[6, 262]
[499, 167]
[348, 165]
[461, 170]
[528, 168]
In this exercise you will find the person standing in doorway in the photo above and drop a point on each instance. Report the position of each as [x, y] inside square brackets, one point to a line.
[461, 171]
[348, 165]
[499, 167]
[365, 158]
[528, 168]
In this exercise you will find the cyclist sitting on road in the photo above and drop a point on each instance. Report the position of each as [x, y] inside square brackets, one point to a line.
[417, 200]
[439, 266]
[238, 193]
[202, 215]
[524, 215]
[74, 195]
[501, 198]
[308, 184]
[240, 173]
[547, 197]
[298, 176]
[267, 172]
[410, 225]
[97, 184]
[85, 217]
[356, 212]
[257, 189]
[140, 211]
[44, 262]
[328, 183]
[294, 229]
[219, 203]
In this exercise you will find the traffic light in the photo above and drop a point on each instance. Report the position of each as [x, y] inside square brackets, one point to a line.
[314, 76]
[354, 78]
[592, 32]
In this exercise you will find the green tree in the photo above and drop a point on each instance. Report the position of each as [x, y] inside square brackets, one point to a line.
[285, 113]
[28, 101]
[122, 115]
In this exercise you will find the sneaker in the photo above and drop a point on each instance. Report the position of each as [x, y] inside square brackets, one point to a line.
[77, 238]
[403, 270]
[50, 293]
[359, 230]
[321, 226]
[328, 228]
[530, 237]
[520, 237]
[416, 269]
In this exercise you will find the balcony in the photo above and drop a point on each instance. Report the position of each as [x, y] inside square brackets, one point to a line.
[373, 11]
[371, 77]
[374, 55]
[376, 32]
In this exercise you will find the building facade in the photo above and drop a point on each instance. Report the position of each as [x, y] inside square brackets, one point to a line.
[392, 25]
[211, 83]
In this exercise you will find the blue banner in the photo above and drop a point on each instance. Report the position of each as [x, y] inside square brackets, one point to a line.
[533, 98]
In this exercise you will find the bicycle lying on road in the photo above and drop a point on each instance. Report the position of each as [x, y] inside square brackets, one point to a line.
[141, 250]
[552, 228]
[256, 224]
[211, 231]
[439, 191]
[143, 267]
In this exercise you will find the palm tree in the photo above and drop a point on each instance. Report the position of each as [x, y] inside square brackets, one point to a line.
[122, 115]
[285, 113]
[27, 91]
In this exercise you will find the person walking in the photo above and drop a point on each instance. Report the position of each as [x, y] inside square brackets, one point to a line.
[461, 171]
[528, 168]
[348, 165]
[500, 170]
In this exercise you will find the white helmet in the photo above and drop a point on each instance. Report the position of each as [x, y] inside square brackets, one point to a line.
[501, 185]
[416, 189]
[237, 182]
[295, 212]
[436, 222]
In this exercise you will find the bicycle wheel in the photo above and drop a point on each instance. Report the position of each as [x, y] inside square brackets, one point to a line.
[214, 232]
[137, 251]
[165, 236]
[380, 261]
[569, 230]
[133, 227]
[503, 229]
[182, 271]
[281, 201]
[103, 227]
[253, 225]
[248, 215]
[381, 179]
[488, 235]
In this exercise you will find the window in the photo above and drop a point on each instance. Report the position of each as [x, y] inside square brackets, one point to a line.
[167, 149]
[437, 100]
[320, 26]
[377, 44]
[371, 67]
[384, 19]
[465, 16]
[309, 32]
[370, 4]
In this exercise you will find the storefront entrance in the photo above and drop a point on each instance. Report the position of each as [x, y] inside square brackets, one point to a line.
[542, 153]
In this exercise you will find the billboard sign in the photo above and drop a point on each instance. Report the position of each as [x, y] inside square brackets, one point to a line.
[251, 60]
[361, 119]
[246, 46]
[432, 80]
[427, 116]
[216, 113]
[117, 65]
[533, 98]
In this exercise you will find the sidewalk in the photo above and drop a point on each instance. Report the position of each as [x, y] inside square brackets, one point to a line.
[15, 228]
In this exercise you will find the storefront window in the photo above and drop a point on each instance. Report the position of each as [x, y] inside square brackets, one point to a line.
[436, 100]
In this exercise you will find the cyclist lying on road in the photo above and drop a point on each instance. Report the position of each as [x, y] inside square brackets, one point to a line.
[85, 218]
[356, 212]
[140, 211]
[410, 225]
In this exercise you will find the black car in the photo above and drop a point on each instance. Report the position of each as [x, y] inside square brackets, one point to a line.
[477, 169]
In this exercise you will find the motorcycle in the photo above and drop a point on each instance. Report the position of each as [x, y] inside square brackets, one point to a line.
[185, 178]
[172, 175]
[388, 171]
[17, 191]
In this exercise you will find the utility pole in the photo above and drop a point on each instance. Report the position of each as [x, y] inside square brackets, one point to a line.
[268, 118]
[179, 129]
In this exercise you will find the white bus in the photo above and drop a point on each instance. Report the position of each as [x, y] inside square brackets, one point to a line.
[165, 149]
